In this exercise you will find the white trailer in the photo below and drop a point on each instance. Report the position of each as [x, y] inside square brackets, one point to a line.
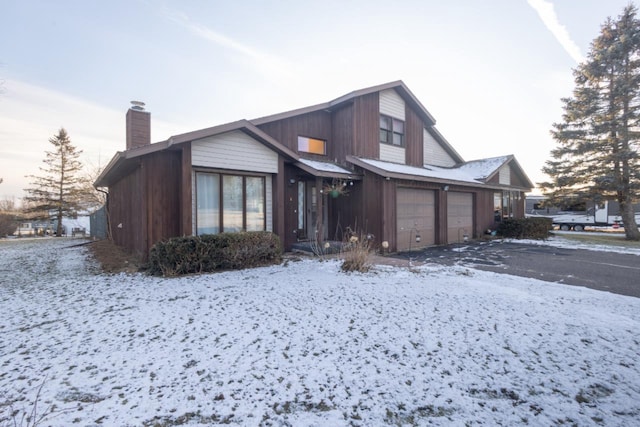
[598, 215]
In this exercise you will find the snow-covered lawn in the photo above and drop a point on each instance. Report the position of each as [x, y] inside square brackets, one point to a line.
[303, 344]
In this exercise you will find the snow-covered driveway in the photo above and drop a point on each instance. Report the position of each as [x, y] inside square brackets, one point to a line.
[303, 344]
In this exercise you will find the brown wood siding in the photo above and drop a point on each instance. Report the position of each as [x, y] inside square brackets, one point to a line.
[341, 133]
[145, 205]
[162, 172]
[126, 205]
[459, 216]
[484, 215]
[495, 179]
[314, 125]
[285, 210]
[371, 203]
[366, 142]
[186, 193]
[414, 146]
[516, 179]
[346, 211]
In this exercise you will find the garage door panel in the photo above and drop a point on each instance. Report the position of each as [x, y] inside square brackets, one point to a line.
[459, 216]
[415, 213]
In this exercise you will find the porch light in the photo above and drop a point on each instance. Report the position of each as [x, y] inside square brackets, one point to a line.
[445, 188]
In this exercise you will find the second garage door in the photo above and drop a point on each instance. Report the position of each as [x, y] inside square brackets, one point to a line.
[459, 216]
[415, 216]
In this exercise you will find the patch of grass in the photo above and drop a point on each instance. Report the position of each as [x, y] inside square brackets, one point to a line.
[612, 239]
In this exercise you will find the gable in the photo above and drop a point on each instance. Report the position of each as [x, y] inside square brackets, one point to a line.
[504, 175]
[233, 150]
[433, 152]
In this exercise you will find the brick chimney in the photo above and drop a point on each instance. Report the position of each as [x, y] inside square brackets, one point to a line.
[138, 126]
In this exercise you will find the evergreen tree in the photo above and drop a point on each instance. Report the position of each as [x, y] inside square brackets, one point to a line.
[59, 191]
[596, 156]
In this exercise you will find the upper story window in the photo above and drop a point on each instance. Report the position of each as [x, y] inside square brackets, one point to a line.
[312, 145]
[391, 131]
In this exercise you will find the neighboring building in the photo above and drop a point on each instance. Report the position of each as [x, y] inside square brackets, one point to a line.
[35, 228]
[275, 173]
[70, 226]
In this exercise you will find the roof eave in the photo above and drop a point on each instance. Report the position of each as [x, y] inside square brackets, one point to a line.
[101, 179]
[328, 174]
[397, 175]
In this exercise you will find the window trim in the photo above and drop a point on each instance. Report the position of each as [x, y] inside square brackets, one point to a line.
[244, 177]
[391, 131]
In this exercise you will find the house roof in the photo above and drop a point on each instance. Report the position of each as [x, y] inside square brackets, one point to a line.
[325, 169]
[398, 85]
[491, 166]
[477, 172]
[473, 174]
[484, 169]
[124, 161]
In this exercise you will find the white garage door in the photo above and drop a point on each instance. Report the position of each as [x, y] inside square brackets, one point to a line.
[416, 216]
[459, 216]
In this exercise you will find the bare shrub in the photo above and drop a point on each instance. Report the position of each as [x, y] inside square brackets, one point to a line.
[356, 251]
[27, 417]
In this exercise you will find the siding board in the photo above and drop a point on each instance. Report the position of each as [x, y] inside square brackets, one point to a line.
[504, 175]
[233, 150]
[366, 126]
[392, 104]
[434, 154]
[316, 124]
[414, 146]
[342, 134]
[391, 153]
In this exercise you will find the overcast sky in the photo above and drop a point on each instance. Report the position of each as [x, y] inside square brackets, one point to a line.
[491, 72]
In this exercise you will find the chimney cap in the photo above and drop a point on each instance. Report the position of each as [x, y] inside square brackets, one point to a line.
[137, 105]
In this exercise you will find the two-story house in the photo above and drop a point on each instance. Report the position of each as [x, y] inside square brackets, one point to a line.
[399, 177]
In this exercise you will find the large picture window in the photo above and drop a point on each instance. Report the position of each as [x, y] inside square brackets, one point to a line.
[391, 131]
[229, 203]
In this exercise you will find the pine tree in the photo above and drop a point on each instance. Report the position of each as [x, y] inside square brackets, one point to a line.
[59, 191]
[596, 157]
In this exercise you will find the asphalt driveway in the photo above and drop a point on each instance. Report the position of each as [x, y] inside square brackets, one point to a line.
[605, 271]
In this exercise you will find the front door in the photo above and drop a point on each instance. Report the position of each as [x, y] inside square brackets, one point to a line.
[308, 210]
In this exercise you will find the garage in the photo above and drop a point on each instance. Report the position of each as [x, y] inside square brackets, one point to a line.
[415, 216]
[459, 216]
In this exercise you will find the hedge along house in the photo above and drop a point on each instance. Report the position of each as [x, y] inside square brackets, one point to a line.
[398, 177]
